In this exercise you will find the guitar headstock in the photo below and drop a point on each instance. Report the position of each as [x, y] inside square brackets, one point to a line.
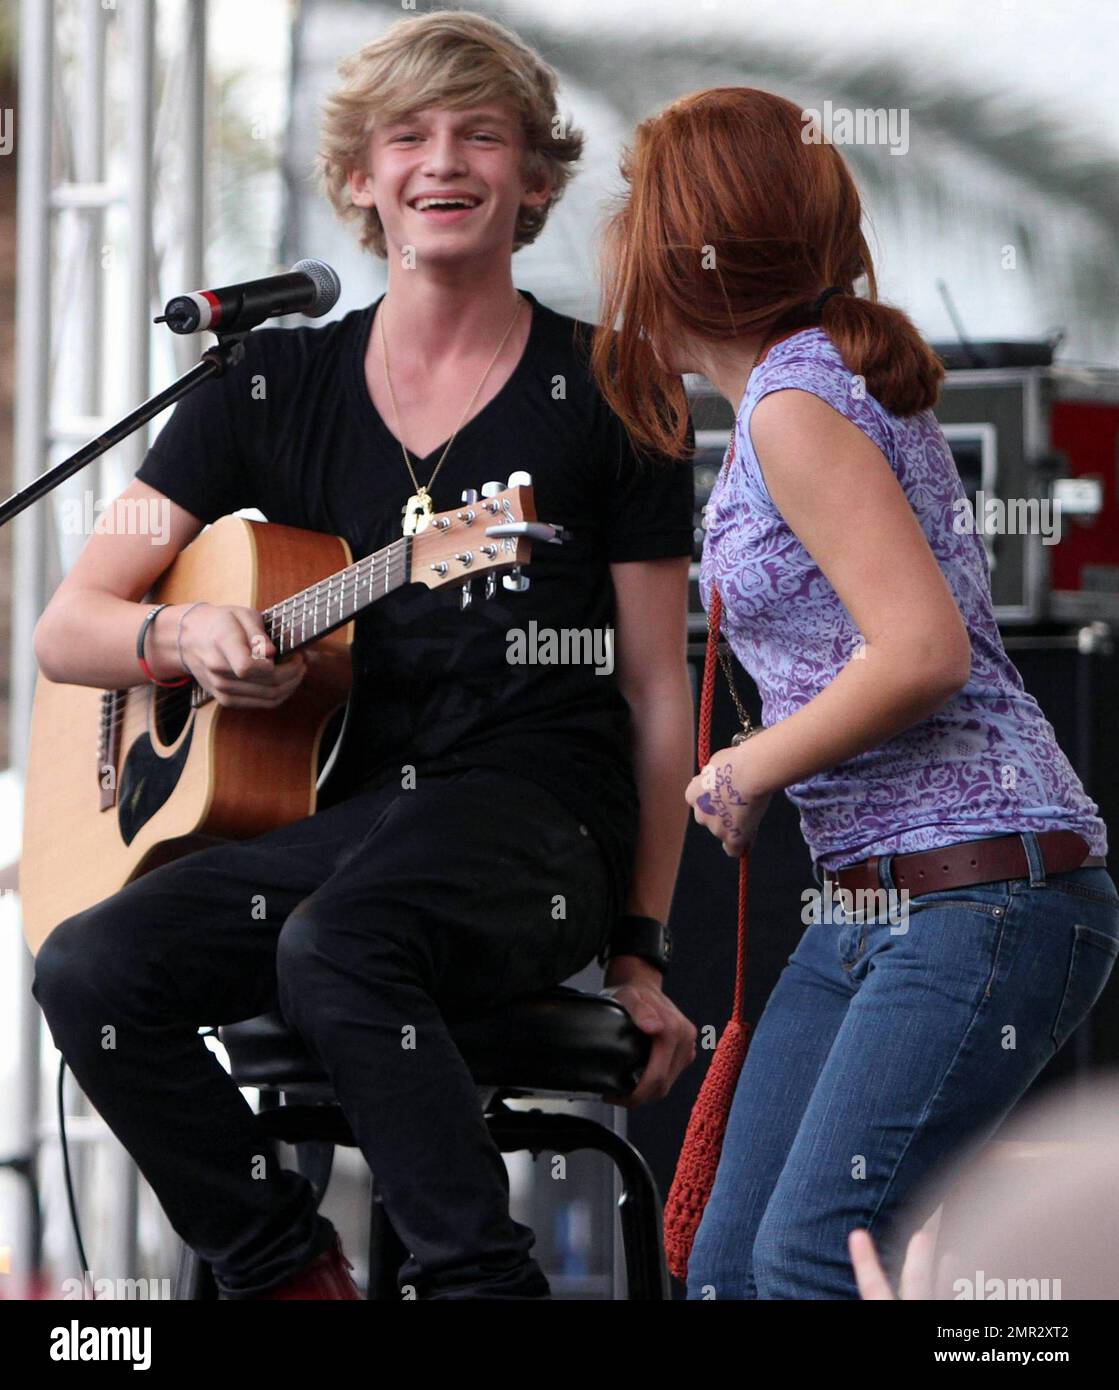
[488, 534]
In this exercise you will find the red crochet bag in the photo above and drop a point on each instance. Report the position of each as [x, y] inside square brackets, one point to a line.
[703, 1140]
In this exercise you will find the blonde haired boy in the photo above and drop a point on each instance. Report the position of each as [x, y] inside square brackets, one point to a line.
[488, 824]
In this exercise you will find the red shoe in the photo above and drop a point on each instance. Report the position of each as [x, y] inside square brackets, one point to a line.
[323, 1277]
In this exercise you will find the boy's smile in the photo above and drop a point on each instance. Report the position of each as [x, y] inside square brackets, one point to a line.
[445, 206]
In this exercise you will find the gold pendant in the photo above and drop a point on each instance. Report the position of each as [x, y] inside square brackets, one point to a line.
[417, 512]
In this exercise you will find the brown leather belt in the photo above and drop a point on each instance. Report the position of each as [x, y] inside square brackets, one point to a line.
[971, 861]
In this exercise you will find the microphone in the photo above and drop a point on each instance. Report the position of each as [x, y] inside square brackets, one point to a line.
[309, 287]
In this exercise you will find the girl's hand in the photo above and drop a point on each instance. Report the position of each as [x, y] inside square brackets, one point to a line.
[917, 1278]
[721, 801]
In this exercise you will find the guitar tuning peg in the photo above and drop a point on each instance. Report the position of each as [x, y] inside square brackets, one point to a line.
[470, 495]
[516, 580]
[491, 584]
[520, 479]
[465, 596]
[491, 489]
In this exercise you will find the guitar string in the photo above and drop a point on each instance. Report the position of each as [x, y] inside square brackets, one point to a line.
[296, 609]
[369, 570]
[397, 549]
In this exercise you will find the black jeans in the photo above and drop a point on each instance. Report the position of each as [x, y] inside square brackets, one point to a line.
[368, 924]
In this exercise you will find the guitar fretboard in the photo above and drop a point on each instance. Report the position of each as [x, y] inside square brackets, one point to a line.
[313, 612]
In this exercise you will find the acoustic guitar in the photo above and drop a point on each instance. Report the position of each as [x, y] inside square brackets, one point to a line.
[121, 781]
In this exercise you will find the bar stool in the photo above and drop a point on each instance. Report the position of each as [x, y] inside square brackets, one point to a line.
[561, 1042]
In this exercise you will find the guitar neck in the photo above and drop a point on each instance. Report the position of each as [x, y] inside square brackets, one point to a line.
[445, 552]
[311, 613]
[303, 618]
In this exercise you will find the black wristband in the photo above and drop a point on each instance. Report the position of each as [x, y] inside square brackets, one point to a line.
[645, 937]
[141, 636]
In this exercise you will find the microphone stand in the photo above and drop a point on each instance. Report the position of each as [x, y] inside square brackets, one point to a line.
[226, 352]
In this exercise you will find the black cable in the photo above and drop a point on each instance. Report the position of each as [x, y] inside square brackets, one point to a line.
[87, 1278]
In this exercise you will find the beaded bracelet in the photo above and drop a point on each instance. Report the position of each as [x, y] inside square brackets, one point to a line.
[147, 670]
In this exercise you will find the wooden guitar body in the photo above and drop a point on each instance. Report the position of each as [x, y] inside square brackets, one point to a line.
[120, 782]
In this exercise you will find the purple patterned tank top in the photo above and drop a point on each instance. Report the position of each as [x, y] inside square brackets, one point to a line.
[987, 762]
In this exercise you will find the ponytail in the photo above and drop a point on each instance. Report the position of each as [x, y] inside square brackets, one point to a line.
[881, 344]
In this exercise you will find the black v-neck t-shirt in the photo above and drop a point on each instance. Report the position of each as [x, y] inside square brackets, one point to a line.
[293, 432]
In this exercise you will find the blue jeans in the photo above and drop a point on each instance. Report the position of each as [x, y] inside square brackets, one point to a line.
[885, 1048]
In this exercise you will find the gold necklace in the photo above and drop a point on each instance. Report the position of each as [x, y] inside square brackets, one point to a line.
[418, 510]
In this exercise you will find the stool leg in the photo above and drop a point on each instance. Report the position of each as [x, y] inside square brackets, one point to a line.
[386, 1251]
[639, 1209]
[639, 1206]
[194, 1279]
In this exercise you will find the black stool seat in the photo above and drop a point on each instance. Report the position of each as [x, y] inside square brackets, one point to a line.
[561, 1040]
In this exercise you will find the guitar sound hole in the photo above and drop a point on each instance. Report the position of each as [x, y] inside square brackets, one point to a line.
[172, 713]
